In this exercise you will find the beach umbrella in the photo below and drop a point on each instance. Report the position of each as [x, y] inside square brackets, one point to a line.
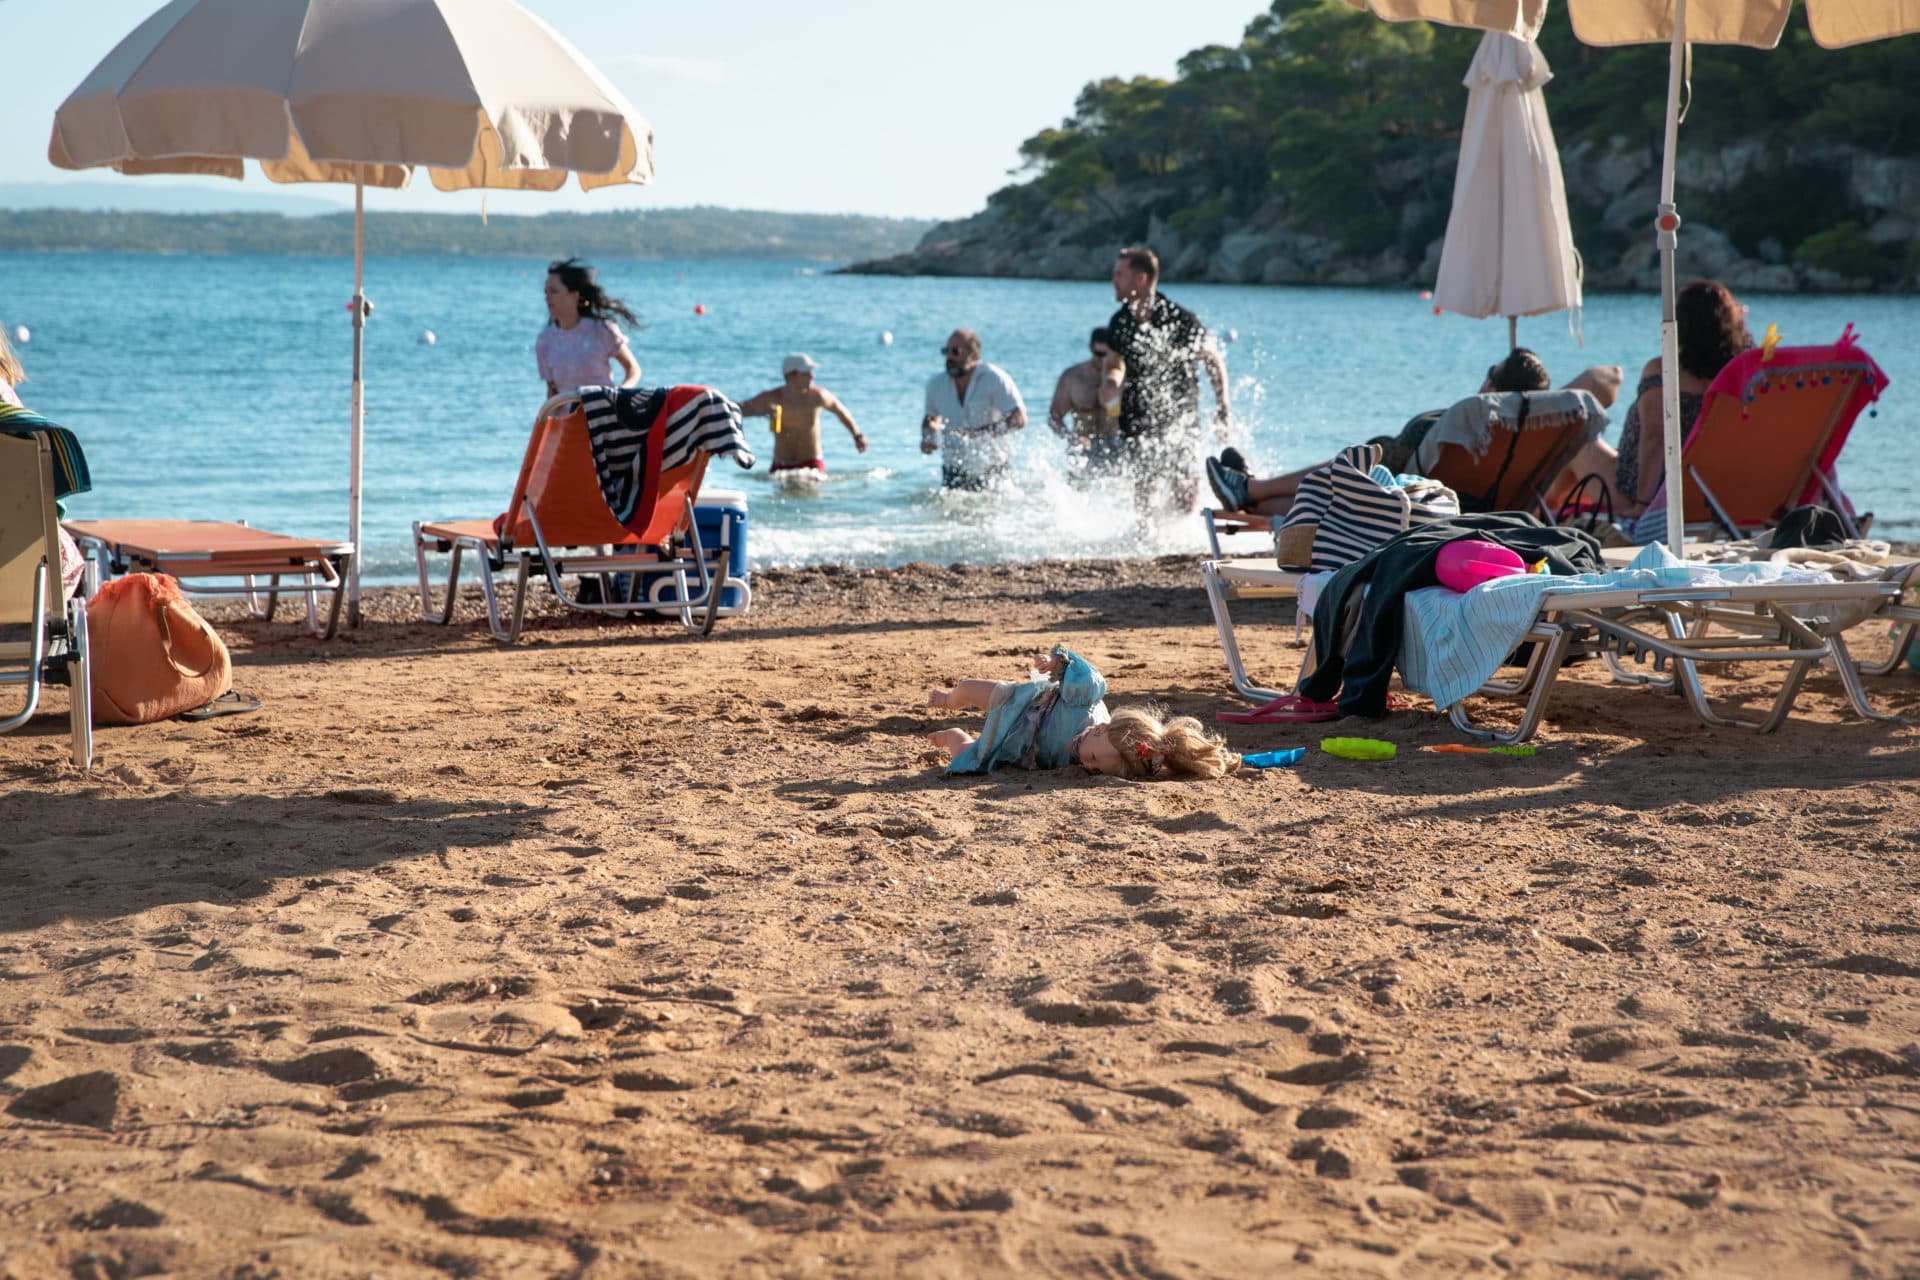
[1509, 244]
[1677, 24]
[480, 93]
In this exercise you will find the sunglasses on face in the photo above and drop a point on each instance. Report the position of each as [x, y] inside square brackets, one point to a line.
[953, 351]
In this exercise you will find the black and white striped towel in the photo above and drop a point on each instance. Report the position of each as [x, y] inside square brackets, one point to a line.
[619, 422]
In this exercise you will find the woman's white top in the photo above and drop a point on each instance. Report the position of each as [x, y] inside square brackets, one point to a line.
[578, 357]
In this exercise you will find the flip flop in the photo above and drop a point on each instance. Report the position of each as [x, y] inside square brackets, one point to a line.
[1289, 708]
[229, 703]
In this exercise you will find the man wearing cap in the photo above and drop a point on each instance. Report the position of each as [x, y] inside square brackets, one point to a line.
[795, 411]
[972, 408]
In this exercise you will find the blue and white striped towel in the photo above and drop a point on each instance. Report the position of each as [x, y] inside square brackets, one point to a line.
[1455, 642]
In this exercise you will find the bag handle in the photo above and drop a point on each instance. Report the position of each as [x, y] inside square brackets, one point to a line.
[166, 613]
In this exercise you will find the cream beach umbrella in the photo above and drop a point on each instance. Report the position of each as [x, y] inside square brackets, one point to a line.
[480, 93]
[1675, 23]
[1509, 244]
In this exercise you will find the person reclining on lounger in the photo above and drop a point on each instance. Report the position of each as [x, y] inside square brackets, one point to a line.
[1522, 371]
[20, 420]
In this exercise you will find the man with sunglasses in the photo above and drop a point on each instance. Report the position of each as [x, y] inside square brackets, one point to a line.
[1086, 404]
[1162, 342]
[972, 407]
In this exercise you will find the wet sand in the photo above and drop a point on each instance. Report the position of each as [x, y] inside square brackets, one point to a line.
[619, 953]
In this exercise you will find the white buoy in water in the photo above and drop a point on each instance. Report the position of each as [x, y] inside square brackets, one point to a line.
[427, 339]
[886, 337]
[22, 334]
[1230, 335]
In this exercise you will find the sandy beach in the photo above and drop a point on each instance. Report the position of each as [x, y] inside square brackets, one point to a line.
[620, 953]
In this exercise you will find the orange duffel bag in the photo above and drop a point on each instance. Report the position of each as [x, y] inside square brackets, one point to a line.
[153, 656]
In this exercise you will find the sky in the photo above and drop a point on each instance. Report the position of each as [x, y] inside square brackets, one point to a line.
[896, 107]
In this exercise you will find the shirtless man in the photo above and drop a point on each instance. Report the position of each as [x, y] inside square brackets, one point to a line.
[1089, 394]
[796, 446]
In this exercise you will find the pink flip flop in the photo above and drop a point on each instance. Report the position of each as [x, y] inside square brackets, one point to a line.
[1289, 708]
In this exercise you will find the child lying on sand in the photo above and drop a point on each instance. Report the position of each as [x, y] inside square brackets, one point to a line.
[1055, 717]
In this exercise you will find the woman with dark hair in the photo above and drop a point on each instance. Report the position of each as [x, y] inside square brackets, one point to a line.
[1712, 327]
[581, 337]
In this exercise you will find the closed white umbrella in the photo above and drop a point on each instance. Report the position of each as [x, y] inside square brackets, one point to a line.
[1509, 246]
[481, 93]
[1755, 23]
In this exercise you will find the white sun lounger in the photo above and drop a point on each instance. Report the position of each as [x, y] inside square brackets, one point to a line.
[1798, 624]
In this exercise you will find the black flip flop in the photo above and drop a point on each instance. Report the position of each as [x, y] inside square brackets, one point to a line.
[230, 703]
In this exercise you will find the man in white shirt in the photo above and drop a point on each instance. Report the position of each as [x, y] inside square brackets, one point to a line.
[971, 410]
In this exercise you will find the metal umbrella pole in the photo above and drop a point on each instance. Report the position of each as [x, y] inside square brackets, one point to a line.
[357, 413]
[1667, 226]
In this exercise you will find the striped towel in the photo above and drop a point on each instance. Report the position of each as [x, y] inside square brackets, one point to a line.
[1356, 505]
[69, 463]
[621, 422]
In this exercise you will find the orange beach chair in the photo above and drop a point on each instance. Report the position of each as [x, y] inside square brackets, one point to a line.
[1512, 473]
[1771, 425]
[558, 526]
[208, 555]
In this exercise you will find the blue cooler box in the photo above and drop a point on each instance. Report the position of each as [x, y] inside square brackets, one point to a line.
[721, 517]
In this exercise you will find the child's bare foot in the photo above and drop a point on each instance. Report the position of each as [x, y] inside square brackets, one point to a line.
[939, 697]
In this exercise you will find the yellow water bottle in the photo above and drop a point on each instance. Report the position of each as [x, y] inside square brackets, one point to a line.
[773, 416]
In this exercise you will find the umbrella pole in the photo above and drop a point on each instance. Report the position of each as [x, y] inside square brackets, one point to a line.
[1513, 333]
[1667, 227]
[356, 413]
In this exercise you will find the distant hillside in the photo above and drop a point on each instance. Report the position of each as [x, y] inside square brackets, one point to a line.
[1321, 150]
[149, 196]
[648, 233]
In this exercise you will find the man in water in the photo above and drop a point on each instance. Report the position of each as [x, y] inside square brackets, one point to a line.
[1089, 394]
[1161, 342]
[796, 441]
[971, 409]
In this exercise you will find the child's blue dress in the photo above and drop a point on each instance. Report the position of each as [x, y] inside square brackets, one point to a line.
[1031, 721]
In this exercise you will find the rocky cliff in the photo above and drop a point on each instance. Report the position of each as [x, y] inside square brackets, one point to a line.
[1758, 215]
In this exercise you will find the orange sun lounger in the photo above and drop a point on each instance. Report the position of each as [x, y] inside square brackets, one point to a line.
[557, 525]
[209, 555]
[1771, 425]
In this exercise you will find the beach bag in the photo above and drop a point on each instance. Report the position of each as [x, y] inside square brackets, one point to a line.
[1350, 505]
[152, 655]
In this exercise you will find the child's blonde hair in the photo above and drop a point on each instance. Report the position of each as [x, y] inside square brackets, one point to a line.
[1150, 745]
[10, 371]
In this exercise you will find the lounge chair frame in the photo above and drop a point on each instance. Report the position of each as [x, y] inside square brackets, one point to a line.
[698, 576]
[1229, 580]
[268, 565]
[1685, 627]
[55, 650]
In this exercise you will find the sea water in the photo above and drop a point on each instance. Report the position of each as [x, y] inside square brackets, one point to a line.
[218, 386]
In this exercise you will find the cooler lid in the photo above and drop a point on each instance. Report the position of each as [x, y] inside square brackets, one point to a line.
[721, 498]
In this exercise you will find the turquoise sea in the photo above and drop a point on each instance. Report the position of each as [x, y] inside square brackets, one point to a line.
[218, 386]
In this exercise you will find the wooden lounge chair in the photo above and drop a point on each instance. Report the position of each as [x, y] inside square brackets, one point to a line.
[208, 556]
[1771, 425]
[55, 647]
[558, 526]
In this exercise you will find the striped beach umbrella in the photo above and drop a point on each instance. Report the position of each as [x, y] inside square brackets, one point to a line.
[1676, 23]
[479, 93]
